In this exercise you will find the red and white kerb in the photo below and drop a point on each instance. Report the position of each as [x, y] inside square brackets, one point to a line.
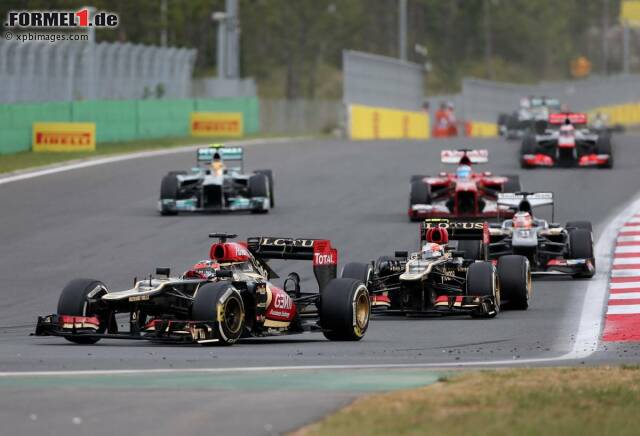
[623, 310]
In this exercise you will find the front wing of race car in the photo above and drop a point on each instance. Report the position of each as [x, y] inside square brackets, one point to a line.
[425, 211]
[234, 204]
[444, 305]
[571, 267]
[156, 330]
[544, 160]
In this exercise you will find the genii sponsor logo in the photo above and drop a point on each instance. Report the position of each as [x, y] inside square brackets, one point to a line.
[281, 307]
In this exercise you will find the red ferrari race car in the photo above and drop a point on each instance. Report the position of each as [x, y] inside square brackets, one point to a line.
[566, 141]
[463, 194]
[229, 296]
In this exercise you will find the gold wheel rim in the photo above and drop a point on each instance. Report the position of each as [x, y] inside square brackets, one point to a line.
[362, 310]
[232, 315]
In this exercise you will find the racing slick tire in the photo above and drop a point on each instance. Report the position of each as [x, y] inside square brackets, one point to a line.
[205, 308]
[528, 147]
[512, 184]
[581, 247]
[73, 301]
[514, 272]
[177, 173]
[604, 147]
[579, 225]
[419, 195]
[417, 177]
[259, 187]
[482, 281]
[471, 250]
[169, 191]
[345, 310]
[358, 271]
[269, 174]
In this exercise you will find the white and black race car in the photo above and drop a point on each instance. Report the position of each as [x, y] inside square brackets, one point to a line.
[217, 184]
[550, 247]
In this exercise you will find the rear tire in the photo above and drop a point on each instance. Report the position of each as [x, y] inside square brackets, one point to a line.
[420, 194]
[482, 282]
[358, 271]
[205, 308]
[345, 310]
[269, 175]
[259, 187]
[73, 301]
[581, 247]
[417, 177]
[169, 191]
[586, 225]
[514, 273]
[512, 184]
[604, 147]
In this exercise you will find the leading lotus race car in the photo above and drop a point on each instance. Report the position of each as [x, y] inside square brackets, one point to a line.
[451, 274]
[217, 184]
[219, 300]
[567, 142]
[550, 247]
[463, 194]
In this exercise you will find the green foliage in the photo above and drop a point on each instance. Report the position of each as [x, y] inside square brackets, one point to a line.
[293, 47]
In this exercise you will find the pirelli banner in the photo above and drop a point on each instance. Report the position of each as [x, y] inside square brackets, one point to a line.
[217, 124]
[64, 137]
[367, 122]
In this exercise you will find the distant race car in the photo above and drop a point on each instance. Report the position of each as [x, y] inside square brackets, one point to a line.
[523, 121]
[229, 296]
[217, 184]
[550, 248]
[567, 142]
[451, 274]
[463, 194]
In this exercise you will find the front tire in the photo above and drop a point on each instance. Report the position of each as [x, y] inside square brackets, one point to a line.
[604, 147]
[581, 247]
[482, 282]
[169, 191]
[419, 194]
[220, 303]
[345, 310]
[269, 174]
[258, 186]
[514, 273]
[358, 271]
[512, 184]
[74, 301]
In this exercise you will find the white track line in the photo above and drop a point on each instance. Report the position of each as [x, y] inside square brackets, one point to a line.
[90, 162]
[626, 260]
[623, 309]
[625, 296]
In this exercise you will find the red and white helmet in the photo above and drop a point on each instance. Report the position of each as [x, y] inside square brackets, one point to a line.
[522, 220]
[202, 270]
[431, 250]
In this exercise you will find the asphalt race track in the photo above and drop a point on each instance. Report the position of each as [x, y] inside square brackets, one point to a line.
[101, 222]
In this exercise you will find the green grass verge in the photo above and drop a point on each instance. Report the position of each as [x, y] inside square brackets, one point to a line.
[29, 159]
[549, 401]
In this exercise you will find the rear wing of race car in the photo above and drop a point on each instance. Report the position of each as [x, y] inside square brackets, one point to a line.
[233, 157]
[563, 117]
[320, 251]
[464, 157]
[457, 231]
[526, 201]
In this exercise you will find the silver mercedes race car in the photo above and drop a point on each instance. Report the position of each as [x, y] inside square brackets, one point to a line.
[550, 247]
[217, 184]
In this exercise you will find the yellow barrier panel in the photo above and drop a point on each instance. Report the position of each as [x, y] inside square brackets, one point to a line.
[217, 124]
[480, 129]
[367, 122]
[626, 114]
[630, 12]
[64, 137]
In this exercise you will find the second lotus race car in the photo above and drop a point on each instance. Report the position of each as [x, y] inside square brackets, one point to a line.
[567, 142]
[463, 194]
[550, 247]
[451, 274]
[219, 300]
[217, 184]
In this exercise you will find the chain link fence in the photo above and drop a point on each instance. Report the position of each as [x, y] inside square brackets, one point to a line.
[66, 71]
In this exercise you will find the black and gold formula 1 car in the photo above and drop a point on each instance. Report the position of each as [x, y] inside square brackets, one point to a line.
[220, 300]
[450, 274]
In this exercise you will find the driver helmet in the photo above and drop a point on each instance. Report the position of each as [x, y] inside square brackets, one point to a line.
[522, 220]
[217, 165]
[205, 269]
[463, 172]
[431, 250]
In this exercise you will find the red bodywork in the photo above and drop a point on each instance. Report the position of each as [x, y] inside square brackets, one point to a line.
[480, 187]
